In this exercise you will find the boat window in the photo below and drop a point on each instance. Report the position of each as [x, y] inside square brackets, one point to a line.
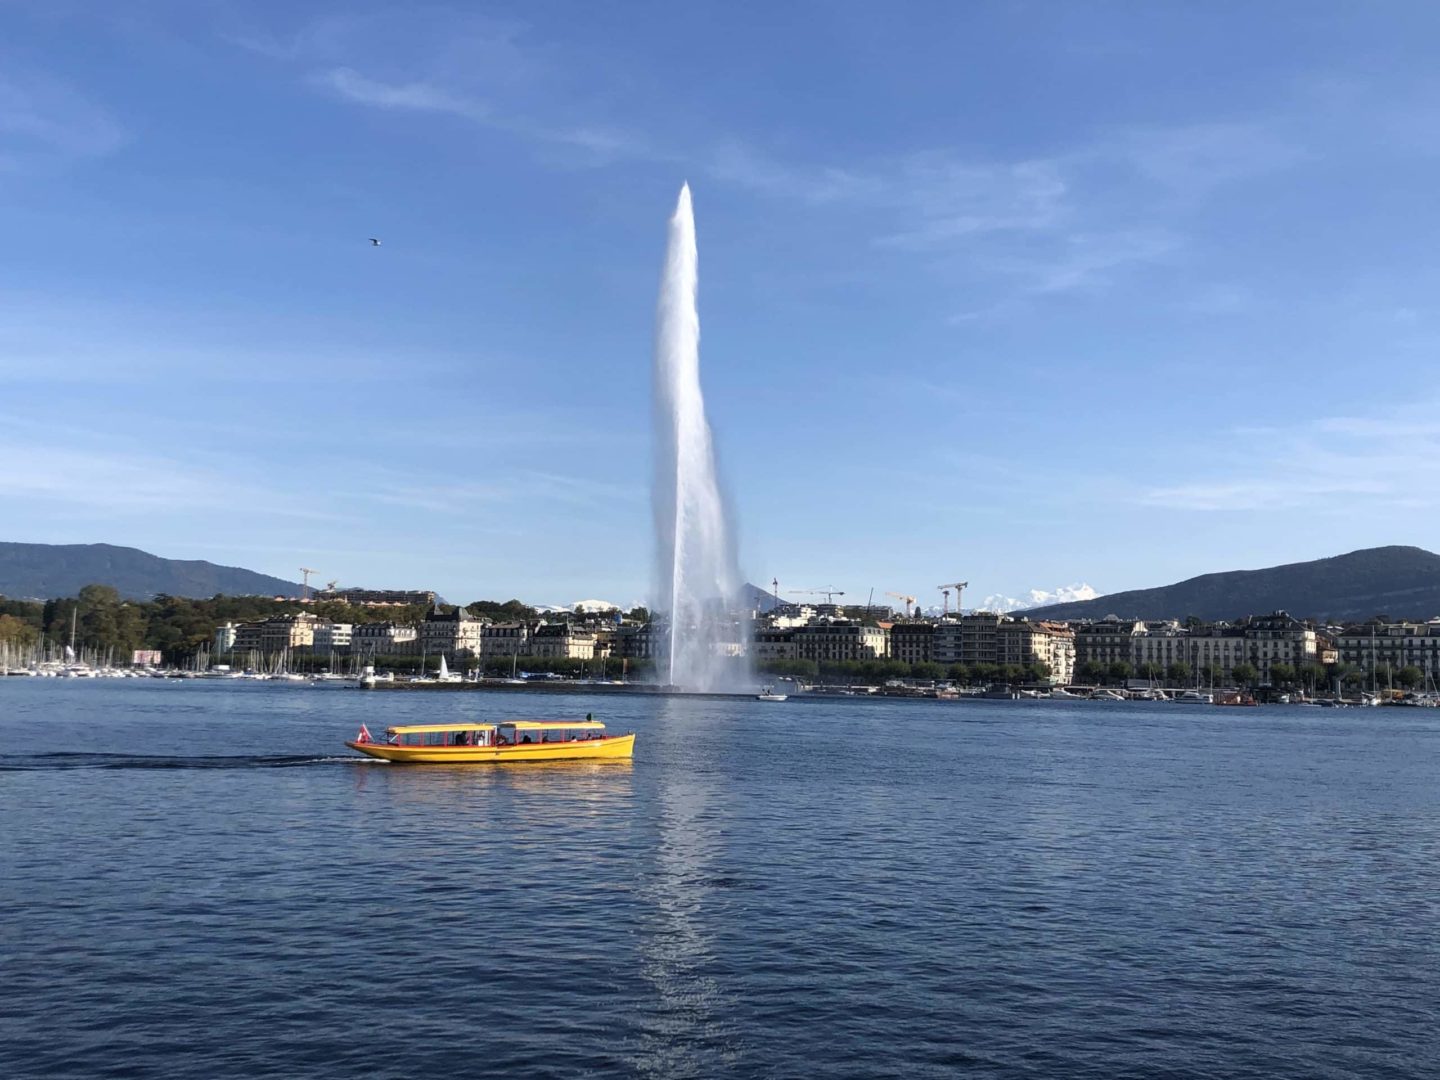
[436, 738]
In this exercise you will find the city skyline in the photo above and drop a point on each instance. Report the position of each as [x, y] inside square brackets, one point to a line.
[1028, 296]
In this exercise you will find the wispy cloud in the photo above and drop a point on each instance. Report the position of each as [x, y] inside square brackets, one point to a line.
[1326, 465]
[350, 85]
[595, 140]
[1194, 159]
[120, 482]
[1066, 219]
[43, 119]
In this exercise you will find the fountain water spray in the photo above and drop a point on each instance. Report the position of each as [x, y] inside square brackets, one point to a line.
[696, 576]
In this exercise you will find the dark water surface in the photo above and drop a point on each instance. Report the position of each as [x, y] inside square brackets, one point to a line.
[197, 880]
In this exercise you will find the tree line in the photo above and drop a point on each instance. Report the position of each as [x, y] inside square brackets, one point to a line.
[180, 627]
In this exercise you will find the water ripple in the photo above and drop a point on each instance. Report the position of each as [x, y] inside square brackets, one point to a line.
[867, 889]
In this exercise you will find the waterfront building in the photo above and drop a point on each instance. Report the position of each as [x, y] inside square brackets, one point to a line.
[912, 642]
[1381, 646]
[561, 641]
[774, 643]
[1060, 643]
[249, 637]
[1163, 643]
[383, 639]
[332, 637]
[1279, 638]
[1219, 647]
[505, 639]
[293, 631]
[645, 641]
[451, 633]
[835, 640]
[1106, 641]
[970, 639]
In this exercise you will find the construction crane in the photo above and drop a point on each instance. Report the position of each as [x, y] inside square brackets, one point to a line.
[908, 601]
[330, 586]
[829, 594]
[959, 587]
[305, 582]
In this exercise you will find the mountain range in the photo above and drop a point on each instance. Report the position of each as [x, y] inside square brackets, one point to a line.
[43, 571]
[1401, 582]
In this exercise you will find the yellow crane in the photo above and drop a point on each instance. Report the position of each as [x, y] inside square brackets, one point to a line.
[906, 600]
[959, 587]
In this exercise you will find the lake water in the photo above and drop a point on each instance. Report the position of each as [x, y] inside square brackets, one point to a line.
[199, 880]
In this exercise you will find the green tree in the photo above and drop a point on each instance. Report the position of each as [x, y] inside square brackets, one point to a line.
[1409, 677]
[1282, 674]
[927, 669]
[1038, 672]
[1313, 675]
[1178, 673]
[17, 632]
[1245, 674]
[1091, 671]
[1120, 670]
[1150, 670]
[984, 674]
[959, 674]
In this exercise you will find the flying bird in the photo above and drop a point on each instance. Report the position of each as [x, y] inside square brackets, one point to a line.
[374, 242]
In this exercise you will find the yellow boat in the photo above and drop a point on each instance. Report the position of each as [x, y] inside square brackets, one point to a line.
[511, 740]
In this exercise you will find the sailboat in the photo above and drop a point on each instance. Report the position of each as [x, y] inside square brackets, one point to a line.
[445, 675]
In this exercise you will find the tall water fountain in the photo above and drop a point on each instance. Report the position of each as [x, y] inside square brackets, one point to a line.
[696, 576]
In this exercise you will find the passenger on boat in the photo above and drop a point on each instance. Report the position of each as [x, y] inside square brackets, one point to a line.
[527, 739]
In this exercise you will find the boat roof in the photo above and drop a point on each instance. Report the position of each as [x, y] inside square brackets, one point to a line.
[531, 725]
[524, 725]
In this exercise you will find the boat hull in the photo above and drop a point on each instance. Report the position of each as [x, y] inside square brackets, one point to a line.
[617, 746]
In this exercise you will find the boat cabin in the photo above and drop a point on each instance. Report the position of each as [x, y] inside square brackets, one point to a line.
[508, 733]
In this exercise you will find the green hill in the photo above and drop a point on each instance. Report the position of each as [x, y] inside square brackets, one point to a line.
[44, 571]
[1402, 582]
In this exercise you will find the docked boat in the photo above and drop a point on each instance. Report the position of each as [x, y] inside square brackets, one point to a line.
[1194, 697]
[511, 740]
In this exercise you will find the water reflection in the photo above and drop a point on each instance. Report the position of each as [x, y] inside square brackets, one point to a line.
[568, 787]
[689, 1030]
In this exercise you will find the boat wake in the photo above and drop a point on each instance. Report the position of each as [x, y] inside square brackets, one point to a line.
[60, 760]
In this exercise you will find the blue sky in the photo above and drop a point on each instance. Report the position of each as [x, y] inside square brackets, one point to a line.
[1028, 294]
